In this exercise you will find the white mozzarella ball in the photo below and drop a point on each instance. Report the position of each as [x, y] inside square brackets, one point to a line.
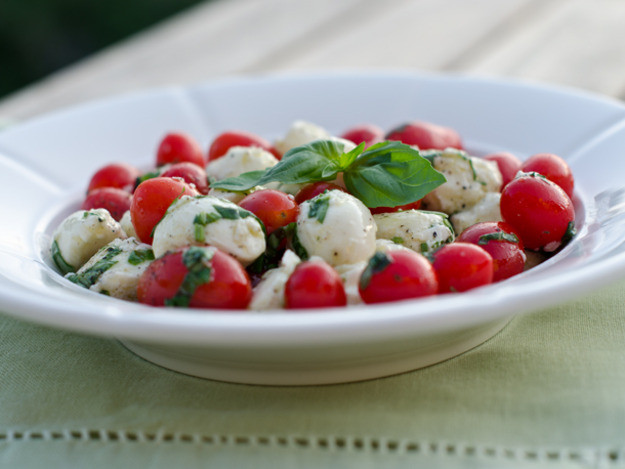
[81, 234]
[418, 230]
[386, 245]
[127, 226]
[486, 209]
[469, 179]
[302, 132]
[269, 293]
[239, 160]
[337, 227]
[115, 269]
[201, 221]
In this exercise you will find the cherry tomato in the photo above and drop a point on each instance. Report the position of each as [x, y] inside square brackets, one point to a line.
[503, 244]
[508, 164]
[461, 267]
[116, 201]
[191, 173]
[312, 190]
[274, 208]
[118, 175]
[235, 138]
[411, 206]
[314, 284]
[539, 210]
[397, 275]
[367, 133]
[426, 136]
[553, 168]
[178, 147]
[151, 200]
[198, 277]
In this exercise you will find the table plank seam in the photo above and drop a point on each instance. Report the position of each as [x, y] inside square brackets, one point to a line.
[332, 443]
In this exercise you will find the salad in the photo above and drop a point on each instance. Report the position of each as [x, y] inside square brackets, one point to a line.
[314, 220]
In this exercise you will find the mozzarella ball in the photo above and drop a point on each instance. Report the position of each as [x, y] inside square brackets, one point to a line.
[81, 234]
[239, 160]
[201, 221]
[115, 269]
[418, 230]
[302, 132]
[486, 209]
[386, 245]
[269, 293]
[469, 179]
[337, 227]
[127, 226]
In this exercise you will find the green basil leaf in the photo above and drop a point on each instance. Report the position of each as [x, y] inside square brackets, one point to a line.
[58, 259]
[90, 276]
[140, 255]
[377, 263]
[390, 174]
[197, 260]
[320, 160]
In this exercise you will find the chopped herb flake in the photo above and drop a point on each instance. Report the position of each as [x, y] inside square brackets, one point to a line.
[498, 236]
[58, 259]
[319, 207]
[140, 255]
[197, 261]
[90, 276]
[378, 262]
[397, 240]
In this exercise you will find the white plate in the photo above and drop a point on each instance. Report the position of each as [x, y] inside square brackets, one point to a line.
[45, 165]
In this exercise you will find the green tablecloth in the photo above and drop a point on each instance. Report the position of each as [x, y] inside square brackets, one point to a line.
[547, 391]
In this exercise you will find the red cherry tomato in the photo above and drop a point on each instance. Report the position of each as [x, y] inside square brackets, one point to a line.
[553, 168]
[198, 277]
[461, 267]
[274, 208]
[412, 206]
[314, 284]
[312, 190]
[223, 142]
[179, 147]
[397, 275]
[151, 200]
[508, 164]
[426, 136]
[503, 244]
[367, 133]
[191, 173]
[118, 175]
[539, 210]
[116, 201]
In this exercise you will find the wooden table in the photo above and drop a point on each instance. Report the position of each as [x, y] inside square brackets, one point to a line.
[578, 43]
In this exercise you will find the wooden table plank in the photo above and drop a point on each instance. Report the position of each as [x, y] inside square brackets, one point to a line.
[579, 43]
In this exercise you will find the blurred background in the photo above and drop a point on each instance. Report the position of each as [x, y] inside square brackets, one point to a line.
[38, 37]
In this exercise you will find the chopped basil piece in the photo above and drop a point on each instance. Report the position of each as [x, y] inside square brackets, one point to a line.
[498, 236]
[424, 247]
[569, 233]
[167, 211]
[297, 246]
[197, 261]
[90, 276]
[146, 176]
[319, 207]
[377, 263]
[276, 246]
[61, 263]
[140, 255]
[397, 240]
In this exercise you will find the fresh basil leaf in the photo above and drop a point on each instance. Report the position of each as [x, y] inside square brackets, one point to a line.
[320, 160]
[390, 174]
